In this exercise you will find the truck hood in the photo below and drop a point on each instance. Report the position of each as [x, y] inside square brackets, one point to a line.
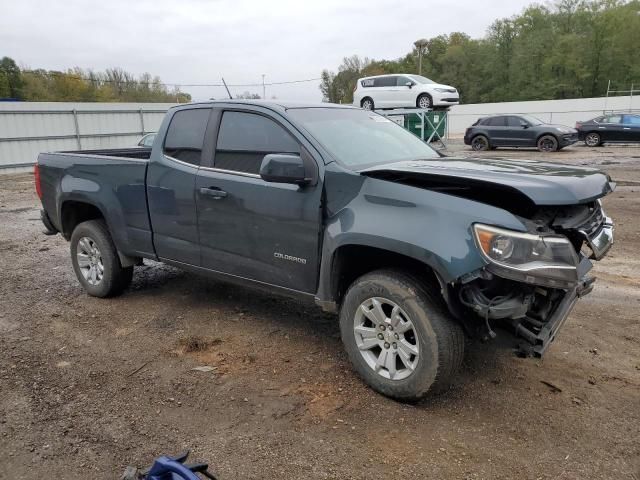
[499, 181]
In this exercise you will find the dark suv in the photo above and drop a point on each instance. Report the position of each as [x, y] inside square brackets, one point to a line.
[518, 131]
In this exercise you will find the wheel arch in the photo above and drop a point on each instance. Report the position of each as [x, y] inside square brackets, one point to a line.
[554, 135]
[351, 261]
[74, 212]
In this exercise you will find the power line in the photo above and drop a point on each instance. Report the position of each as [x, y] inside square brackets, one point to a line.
[166, 84]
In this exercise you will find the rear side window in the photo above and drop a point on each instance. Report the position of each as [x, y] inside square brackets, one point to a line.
[385, 81]
[186, 135]
[496, 122]
[367, 82]
[245, 138]
[614, 119]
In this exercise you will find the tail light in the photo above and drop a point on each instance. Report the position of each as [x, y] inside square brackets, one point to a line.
[36, 175]
[578, 125]
[355, 87]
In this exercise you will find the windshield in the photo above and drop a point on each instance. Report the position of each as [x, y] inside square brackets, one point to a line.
[532, 120]
[359, 138]
[421, 79]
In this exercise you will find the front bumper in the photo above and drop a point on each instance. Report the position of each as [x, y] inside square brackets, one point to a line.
[539, 336]
[567, 139]
[601, 241]
[445, 99]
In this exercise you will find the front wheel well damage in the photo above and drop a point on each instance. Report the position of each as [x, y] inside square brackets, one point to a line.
[350, 262]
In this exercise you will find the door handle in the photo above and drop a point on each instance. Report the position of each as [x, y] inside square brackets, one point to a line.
[213, 192]
[626, 128]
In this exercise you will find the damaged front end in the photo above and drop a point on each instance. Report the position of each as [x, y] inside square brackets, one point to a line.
[532, 280]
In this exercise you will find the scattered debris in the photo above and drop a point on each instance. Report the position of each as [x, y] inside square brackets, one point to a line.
[139, 368]
[554, 388]
[204, 368]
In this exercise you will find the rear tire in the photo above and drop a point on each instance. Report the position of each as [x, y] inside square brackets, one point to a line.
[424, 351]
[96, 262]
[593, 139]
[424, 101]
[367, 103]
[480, 143]
[547, 143]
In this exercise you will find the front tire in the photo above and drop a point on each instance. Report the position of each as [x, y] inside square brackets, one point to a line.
[593, 139]
[424, 101]
[95, 260]
[548, 143]
[399, 336]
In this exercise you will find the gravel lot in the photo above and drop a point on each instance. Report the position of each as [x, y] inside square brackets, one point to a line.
[89, 386]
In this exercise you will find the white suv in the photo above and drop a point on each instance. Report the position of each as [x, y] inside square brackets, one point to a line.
[402, 90]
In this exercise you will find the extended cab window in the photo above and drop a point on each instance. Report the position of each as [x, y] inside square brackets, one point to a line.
[185, 135]
[245, 138]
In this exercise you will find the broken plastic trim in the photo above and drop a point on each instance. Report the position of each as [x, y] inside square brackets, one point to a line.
[539, 341]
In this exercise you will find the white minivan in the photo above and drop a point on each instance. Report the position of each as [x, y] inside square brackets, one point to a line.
[402, 90]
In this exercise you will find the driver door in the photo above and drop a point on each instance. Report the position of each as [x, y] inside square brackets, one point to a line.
[248, 227]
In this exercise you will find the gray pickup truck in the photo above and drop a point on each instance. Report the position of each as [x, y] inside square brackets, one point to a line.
[343, 207]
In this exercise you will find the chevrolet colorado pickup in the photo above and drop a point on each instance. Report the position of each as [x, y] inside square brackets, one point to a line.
[343, 207]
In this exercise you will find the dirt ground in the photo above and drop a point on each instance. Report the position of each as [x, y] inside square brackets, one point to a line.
[89, 386]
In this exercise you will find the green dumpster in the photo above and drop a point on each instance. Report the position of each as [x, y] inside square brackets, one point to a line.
[432, 121]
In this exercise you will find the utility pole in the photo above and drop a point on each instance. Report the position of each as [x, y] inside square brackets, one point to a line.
[420, 45]
[263, 90]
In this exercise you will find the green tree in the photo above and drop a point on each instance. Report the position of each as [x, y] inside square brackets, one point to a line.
[566, 49]
[11, 83]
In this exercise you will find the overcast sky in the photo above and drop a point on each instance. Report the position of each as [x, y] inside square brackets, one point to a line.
[199, 41]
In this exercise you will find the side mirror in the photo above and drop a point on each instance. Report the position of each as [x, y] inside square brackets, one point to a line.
[284, 168]
[524, 124]
[409, 84]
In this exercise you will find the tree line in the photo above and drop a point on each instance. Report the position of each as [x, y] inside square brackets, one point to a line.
[78, 85]
[566, 49]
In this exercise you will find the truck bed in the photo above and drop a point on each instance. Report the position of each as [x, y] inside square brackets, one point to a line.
[113, 180]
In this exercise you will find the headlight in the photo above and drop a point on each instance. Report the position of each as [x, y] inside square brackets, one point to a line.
[565, 130]
[543, 259]
[441, 90]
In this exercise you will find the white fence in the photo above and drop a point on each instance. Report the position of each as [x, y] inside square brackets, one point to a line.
[564, 112]
[26, 129]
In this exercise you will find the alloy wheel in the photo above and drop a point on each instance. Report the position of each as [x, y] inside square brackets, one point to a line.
[367, 104]
[547, 144]
[592, 140]
[386, 338]
[424, 102]
[90, 260]
[479, 144]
